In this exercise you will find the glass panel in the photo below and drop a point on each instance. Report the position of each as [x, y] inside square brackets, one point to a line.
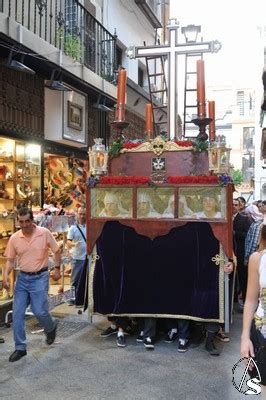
[155, 203]
[202, 203]
[64, 181]
[111, 203]
[28, 175]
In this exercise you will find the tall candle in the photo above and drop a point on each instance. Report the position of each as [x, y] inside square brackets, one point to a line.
[121, 95]
[201, 89]
[212, 123]
[148, 119]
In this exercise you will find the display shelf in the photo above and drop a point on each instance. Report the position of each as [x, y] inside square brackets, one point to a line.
[10, 199]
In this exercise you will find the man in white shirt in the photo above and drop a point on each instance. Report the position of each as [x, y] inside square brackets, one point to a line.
[76, 240]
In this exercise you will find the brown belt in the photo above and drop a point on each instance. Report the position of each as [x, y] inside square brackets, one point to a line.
[35, 273]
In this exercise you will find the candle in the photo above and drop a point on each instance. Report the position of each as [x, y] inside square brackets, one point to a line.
[212, 123]
[148, 119]
[201, 89]
[121, 95]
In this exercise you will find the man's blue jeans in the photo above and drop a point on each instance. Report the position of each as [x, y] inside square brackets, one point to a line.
[33, 290]
[77, 268]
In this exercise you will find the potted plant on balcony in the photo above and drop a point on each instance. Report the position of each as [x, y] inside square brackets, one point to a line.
[70, 43]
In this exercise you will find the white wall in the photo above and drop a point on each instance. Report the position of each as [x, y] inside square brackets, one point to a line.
[260, 173]
[132, 28]
[227, 113]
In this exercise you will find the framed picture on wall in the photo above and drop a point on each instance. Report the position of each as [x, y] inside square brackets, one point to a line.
[74, 115]
[202, 203]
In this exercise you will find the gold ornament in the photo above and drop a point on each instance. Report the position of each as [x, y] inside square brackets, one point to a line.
[218, 259]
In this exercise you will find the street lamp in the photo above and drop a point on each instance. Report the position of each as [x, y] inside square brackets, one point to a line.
[18, 65]
[191, 32]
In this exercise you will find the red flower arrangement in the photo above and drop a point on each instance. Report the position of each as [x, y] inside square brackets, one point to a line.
[130, 145]
[193, 179]
[124, 180]
[142, 180]
[184, 143]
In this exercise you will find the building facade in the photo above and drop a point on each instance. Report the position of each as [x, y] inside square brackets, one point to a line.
[58, 73]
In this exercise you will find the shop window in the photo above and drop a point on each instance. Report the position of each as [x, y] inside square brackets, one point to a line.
[64, 181]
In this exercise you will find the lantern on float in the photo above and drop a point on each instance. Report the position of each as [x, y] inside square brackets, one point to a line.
[98, 158]
[219, 156]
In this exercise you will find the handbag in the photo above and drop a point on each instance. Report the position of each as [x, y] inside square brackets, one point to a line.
[259, 344]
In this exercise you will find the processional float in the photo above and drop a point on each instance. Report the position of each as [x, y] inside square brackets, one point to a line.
[159, 214]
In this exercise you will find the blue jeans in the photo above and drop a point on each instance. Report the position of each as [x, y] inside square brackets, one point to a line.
[33, 290]
[77, 268]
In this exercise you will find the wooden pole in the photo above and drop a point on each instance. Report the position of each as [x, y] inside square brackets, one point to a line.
[212, 122]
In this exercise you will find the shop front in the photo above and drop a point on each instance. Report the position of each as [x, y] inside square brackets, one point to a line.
[44, 137]
[50, 179]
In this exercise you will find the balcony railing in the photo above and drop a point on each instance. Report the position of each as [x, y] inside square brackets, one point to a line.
[67, 25]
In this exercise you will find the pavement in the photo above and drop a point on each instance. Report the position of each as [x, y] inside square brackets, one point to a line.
[82, 365]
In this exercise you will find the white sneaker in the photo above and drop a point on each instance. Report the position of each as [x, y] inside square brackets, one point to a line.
[148, 343]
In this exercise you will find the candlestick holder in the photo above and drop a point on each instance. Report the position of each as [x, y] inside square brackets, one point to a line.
[120, 125]
[202, 123]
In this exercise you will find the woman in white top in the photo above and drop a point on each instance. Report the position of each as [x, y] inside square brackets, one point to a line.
[253, 304]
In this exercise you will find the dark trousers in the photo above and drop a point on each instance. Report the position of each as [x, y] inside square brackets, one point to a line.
[212, 327]
[242, 272]
[181, 324]
[120, 322]
[147, 326]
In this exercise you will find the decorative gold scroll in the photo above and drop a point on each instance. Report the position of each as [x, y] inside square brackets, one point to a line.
[158, 146]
